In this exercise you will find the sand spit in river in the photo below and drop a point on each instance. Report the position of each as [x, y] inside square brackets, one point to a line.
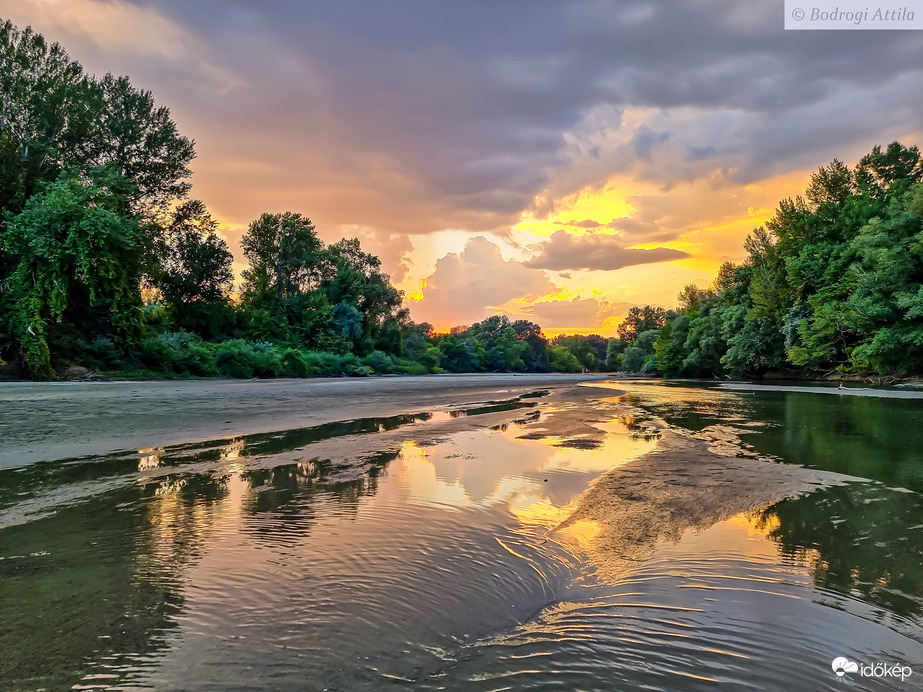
[40, 421]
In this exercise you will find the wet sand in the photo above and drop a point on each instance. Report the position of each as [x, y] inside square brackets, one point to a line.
[41, 421]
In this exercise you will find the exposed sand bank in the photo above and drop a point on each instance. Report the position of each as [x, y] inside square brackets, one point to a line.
[40, 421]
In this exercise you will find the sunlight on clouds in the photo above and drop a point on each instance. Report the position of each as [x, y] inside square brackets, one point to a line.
[114, 26]
[598, 205]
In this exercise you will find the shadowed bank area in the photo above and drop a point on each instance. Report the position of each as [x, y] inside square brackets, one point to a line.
[636, 535]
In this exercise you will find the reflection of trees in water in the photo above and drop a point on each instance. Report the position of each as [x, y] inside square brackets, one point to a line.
[858, 539]
[865, 436]
[282, 501]
[868, 437]
[99, 579]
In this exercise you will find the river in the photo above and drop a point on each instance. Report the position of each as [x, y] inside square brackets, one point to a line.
[639, 535]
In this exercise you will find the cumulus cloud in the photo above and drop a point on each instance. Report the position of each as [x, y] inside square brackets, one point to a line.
[606, 252]
[576, 314]
[468, 286]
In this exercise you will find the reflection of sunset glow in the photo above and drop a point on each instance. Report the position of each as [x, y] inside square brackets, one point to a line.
[497, 468]
[234, 449]
[418, 474]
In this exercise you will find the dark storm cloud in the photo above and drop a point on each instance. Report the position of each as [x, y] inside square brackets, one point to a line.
[418, 116]
[605, 252]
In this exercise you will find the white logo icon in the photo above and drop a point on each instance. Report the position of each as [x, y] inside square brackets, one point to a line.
[842, 665]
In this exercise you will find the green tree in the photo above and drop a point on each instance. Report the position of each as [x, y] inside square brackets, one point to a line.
[562, 360]
[460, 354]
[80, 258]
[536, 358]
[353, 276]
[614, 350]
[196, 267]
[670, 347]
[641, 319]
[53, 117]
[285, 259]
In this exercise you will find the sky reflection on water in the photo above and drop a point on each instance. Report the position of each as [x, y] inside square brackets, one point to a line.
[252, 563]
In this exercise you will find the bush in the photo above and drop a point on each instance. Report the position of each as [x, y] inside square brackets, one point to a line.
[379, 361]
[563, 360]
[322, 363]
[239, 358]
[102, 353]
[178, 353]
[402, 366]
[430, 359]
[294, 363]
[350, 365]
[325, 364]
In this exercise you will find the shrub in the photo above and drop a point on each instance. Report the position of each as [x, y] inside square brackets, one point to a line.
[239, 358]
[350, 365]
[403, 366]
[102, 353]
[379, 361]
[325, 364]
[322, 363]
[178, 352]
[294, 363]
[430, 359]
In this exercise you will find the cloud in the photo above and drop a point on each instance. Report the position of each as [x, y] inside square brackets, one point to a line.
[586, 223]
[429, 117]
[468, 286]
[426, 117]
[603, 252]
[576, 314]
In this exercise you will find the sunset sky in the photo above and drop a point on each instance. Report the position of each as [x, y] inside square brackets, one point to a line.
[553, 160]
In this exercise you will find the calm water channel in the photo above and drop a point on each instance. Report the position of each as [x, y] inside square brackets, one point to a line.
[430, 561]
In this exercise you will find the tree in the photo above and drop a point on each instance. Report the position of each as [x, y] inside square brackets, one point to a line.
[196, 269]
[353, 276]
[285, 258]
[536, 358]
[878, 171]
[670, 346]
[562, 360]
[460, 354]
[633, 359]
[614, 350]
[641, 319]
[53, 117]
[79, 261]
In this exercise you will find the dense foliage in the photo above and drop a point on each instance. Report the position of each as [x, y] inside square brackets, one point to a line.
[833, 282]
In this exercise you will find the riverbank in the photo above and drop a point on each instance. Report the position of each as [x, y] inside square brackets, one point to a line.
[54, 420]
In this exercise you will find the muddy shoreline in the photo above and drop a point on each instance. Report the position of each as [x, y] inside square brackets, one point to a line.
[42, 421]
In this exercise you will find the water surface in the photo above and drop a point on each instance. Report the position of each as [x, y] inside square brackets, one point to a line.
[375, 554]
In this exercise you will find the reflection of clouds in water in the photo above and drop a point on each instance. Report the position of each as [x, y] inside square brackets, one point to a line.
[483, 468]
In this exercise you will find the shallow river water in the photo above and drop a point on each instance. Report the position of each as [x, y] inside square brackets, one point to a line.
[427, 551]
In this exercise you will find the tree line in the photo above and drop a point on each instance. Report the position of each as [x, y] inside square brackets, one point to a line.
[833, 283]
[105, 262]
